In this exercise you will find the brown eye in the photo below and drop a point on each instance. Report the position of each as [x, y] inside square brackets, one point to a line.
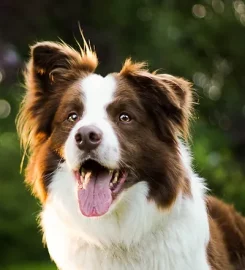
[124, 117]
[72, 117]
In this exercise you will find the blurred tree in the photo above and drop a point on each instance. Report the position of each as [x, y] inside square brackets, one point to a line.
[200, 40]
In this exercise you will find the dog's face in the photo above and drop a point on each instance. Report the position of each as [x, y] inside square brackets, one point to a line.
[110, 132]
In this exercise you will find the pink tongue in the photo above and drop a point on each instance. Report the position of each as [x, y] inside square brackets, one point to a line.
[96, 199]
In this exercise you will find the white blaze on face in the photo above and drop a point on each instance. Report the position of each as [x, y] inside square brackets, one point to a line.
[96, 92]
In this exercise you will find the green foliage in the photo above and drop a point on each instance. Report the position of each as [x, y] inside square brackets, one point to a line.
[203, 42]
[31, 267]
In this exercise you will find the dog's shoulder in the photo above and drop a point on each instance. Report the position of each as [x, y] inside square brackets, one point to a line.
[227, 229]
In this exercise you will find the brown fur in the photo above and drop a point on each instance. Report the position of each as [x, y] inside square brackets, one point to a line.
[176, 96]
[52, 70]
[160, 106]
[227, 236]
[146, 96]
[52, 65]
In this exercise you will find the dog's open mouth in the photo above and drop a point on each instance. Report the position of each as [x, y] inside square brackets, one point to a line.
[97, 187]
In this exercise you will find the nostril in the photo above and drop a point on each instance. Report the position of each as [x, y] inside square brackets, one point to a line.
[78, 138]
[88, 138]
[94, 137]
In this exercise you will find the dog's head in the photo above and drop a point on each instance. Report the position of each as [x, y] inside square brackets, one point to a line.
[108, 132]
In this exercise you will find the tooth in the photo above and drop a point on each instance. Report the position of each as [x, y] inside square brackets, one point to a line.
[111, 185]
[115, 177]
[86, 180]
[83, 172]
[87, 176]
[110, 171]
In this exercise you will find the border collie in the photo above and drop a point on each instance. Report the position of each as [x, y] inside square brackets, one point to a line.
[115, 181]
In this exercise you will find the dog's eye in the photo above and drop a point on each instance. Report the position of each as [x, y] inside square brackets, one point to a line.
[124, 117]
[72, 117]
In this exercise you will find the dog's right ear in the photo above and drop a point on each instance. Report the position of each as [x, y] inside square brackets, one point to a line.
[51, 63]
[52, 68]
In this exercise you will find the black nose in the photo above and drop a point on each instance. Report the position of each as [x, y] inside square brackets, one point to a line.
[88, 138]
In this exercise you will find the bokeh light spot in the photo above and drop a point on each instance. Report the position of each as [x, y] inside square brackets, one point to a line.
[1, 76]
[214, 92]
[11, 57]
[5, 108]
[242, 19]
[199, 11]
[239, 6]
[214, 159]
[218, 6]
[200, 79]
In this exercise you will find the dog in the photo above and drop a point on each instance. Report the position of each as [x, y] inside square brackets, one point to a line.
[109, 161]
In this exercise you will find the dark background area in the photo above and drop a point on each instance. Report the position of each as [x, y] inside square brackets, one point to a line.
[203, 41]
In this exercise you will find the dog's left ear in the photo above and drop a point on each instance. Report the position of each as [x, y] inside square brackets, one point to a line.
[168, 99]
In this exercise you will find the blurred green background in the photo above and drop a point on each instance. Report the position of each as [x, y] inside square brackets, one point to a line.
[203, 41]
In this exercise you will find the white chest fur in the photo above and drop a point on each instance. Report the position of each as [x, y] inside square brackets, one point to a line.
[134, 235]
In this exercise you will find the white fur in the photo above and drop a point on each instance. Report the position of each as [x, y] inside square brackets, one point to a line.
[96, 92]
[134, 234]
